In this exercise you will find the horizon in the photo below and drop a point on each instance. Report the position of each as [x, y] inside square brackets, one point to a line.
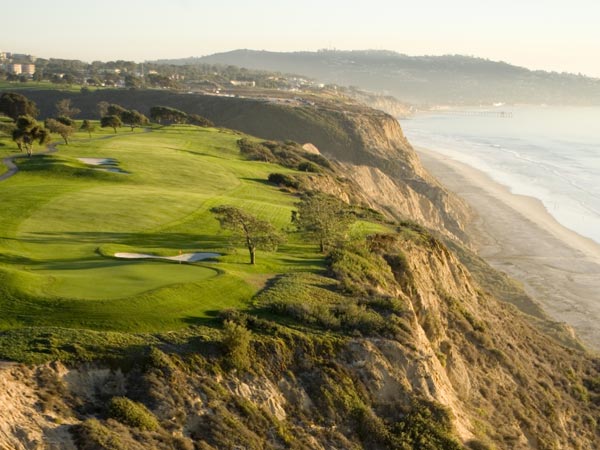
[138, 61]
[548, 36]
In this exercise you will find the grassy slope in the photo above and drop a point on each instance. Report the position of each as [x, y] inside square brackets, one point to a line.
[61, 219]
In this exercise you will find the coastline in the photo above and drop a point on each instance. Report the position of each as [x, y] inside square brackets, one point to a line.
[514, 233]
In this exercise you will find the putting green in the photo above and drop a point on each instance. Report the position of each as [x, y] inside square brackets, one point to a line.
[108, 279]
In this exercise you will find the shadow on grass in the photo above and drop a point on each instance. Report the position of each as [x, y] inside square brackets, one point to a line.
[159, 239]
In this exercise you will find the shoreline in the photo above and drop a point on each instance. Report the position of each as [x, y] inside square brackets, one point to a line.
[515, 234]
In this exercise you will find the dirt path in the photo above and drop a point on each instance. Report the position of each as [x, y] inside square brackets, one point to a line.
[12, 167]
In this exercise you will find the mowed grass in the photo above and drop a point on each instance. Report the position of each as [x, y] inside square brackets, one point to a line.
[62, 221]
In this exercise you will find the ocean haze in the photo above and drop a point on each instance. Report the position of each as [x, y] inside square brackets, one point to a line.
[549, 153]
[549, 35]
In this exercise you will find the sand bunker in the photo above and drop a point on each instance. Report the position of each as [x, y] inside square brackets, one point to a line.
[98, 161]
[184, 257]
[103, 162]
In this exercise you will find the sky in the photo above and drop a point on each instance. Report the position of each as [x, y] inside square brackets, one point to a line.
[538, 34]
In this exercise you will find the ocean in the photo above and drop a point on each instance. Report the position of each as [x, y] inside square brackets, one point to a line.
[550, 153]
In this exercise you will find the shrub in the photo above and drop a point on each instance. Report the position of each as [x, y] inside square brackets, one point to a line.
[255, 151]
[132, 413]
[308, 166]
[318, 159]
[236, 341]
[426, 426]
[281, 179]
[92, 435]
[196, 119]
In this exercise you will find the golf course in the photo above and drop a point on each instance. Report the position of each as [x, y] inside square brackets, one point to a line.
[66, 214]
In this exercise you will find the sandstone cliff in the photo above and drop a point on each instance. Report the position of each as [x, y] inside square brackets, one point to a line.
[422, 355]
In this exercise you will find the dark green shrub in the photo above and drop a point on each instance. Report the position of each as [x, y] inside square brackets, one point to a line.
[132, 413]
[308, 166]
[318, 159]
[236, 342]
[281, 179]
[93, 435]
[475, 444]
[255, 151]
[426, 426]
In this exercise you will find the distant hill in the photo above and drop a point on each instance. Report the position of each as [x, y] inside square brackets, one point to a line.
[422, 80]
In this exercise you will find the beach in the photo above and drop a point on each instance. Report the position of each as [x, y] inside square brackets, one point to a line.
[559, 268]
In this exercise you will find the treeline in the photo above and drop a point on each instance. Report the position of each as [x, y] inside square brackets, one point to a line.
[130, 74]
[25, 129]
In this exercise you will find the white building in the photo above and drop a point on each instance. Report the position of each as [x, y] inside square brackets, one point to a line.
[28, 69]
[16, 69]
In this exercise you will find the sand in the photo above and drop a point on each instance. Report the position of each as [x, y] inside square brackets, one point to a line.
[184, 257]
[516, 234]
[98, 161]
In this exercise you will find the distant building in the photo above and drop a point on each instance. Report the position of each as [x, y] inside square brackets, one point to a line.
[28, 69]
[16, 69]
[243, 83]
[3, 56]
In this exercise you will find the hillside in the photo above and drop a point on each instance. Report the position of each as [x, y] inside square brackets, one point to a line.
[398, 337]
[422, 80]
[370, 143]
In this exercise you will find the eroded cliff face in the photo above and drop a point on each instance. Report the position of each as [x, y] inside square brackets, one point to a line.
[452, 352]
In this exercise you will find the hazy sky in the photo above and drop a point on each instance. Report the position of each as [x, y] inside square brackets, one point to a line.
[539, 34]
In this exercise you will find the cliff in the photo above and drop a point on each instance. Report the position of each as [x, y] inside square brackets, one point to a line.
[413, 355]
[368, 141]
[396, 343]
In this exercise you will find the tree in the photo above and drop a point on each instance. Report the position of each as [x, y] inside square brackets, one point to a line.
[57, 127]
[255, 233]
[164, 113]
[66, 121]
[88, 126]
[115, 110]
[14, 105]
[111, 122]
[134, 118]
[64, 108]
[201, 121]
[132, 82]
[102, 108]
[323, 217]
[27, 132]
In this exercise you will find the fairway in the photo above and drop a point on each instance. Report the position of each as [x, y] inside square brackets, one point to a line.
[63, 220]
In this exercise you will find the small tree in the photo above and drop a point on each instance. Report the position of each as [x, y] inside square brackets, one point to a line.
[115, 110]
[14, 105]
[236, 340]
[134, 118]
[324, 218]
[57, 127]
[64, 108]
[102, 108]
[88, 126]
[28, 131]
[111, 122]
[201, 121]
[255, 233]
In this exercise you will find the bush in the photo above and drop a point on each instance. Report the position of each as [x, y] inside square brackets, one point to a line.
[308, 166]
[318, 159]
[92, 435]
[281, 179]
[196, 119]
[255, 151]
[132, 413]
[236, 341]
